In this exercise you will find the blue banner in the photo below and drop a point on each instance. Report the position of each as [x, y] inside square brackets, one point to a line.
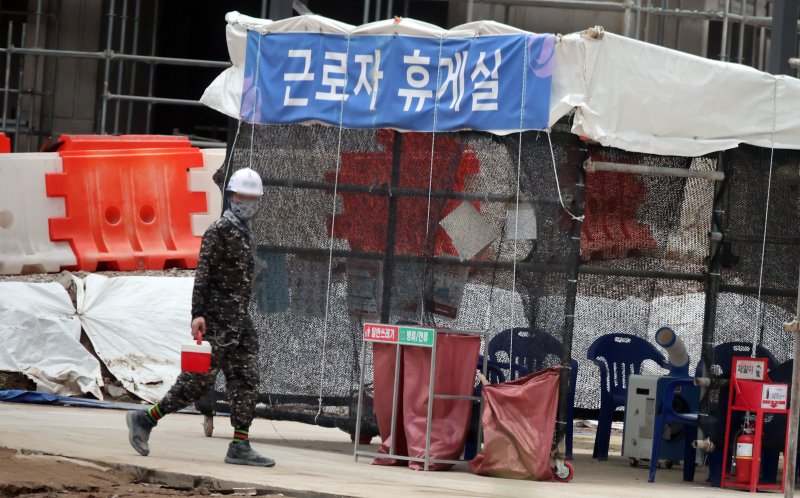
[492, 83]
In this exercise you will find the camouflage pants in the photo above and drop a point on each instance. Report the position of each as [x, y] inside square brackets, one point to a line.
[239, 364]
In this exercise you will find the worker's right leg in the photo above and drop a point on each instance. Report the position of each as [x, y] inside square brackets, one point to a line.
[189, 388]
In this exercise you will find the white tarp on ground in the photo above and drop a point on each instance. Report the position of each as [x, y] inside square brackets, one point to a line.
[40, 337]
[137, 326]
[625, 93]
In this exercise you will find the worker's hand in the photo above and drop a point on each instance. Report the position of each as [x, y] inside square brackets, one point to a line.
[198, 327]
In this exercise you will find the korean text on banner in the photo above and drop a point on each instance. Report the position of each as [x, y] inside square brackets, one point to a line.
[499, 83]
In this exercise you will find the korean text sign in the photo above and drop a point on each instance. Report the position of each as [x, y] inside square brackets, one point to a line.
[494, 83]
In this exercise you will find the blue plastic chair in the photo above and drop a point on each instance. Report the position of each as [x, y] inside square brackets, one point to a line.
[667, 415]
[723, 357]
[617, 356]
[532, 347]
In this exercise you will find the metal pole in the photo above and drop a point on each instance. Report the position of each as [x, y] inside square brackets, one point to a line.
[263, 9]
[107, 67]
[52, 117]
[359, 407]
[365, 20]
[153, 100]
[565, 376]
[406, 5]
[32, 99]
[135, 49]
[723, 56]
[431, 392]
[121, 63]
[470, 9]
[638, 19]
[784, 36]
[794, 409]
[280, 9]
[389, 9]
[6, 93]
[152, 68]
[627, 18]
[661, 24]
[647, 22]
[678, 27]
[395, 391]
[639, 169]
[378, 10]
[713, 281]
[740, 56]
[19, 87]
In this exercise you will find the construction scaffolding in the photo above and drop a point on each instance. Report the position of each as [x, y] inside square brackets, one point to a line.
[29, 62]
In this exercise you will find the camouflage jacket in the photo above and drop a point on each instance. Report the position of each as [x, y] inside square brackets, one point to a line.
[223, 280]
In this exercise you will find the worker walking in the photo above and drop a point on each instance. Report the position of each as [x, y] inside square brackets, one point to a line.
[220, 301]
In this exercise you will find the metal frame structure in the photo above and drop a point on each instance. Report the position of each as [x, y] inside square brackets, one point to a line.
[427, 460]
[118, 66]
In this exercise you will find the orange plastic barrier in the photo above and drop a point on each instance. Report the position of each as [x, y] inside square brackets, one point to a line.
[128, 209]
[116, 142]
[5, 143]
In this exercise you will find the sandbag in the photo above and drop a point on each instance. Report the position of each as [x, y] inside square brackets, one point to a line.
[383, 360]
[456, 361]
[519, 418]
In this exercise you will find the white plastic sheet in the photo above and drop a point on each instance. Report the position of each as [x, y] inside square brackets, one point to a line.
[40, 337]
[645, 98]
[137, 326]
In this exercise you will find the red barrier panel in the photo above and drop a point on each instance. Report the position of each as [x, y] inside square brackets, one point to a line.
[5, 143]
[116, 142]
[128, 209]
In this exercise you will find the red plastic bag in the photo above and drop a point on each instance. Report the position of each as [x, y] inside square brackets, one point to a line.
[383, 359]
[456, 363]
[519, 418]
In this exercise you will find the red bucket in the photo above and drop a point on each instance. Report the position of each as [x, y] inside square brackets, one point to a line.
[196, 357]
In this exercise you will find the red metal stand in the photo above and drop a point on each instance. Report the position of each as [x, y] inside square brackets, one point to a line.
[752, 391]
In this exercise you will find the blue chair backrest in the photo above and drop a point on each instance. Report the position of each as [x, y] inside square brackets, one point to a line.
[531, 349]
[620, 355]
[724, 353]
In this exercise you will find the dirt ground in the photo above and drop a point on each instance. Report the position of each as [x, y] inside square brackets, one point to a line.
[45, 476]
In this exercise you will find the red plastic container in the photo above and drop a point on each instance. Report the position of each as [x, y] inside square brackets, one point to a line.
[196, 357]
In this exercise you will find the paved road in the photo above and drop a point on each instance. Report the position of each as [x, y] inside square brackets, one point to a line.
[310, 459]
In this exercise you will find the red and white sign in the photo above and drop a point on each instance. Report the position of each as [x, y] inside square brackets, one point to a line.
[774, 396]
[381, 333]
[753, 369]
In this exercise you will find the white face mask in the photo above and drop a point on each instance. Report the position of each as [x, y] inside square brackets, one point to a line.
[244, 210]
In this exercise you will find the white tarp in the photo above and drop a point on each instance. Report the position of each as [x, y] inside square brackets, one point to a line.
[625, 93]
[645, 98]
[137, 326]
[40, 337]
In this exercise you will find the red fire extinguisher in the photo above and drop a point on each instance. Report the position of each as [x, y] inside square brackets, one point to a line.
[743, 460]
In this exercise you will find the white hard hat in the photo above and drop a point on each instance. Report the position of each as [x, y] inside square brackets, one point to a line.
[246, 181]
